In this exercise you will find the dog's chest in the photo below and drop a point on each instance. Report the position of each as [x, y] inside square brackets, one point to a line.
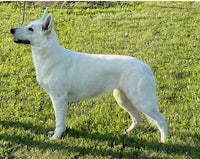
[42, 79]
[43, 72]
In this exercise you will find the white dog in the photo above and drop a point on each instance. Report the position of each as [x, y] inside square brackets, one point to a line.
[70, 76]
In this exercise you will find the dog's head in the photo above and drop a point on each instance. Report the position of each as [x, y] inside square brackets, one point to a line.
[35, 32]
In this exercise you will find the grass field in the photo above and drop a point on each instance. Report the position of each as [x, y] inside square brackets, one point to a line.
[166, 35]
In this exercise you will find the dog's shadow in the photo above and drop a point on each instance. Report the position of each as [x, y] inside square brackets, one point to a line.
[123, 140]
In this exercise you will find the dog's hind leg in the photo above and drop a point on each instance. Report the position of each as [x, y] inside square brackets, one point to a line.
[144, 98]
[160, 121]
[125, 103]
[153, 115]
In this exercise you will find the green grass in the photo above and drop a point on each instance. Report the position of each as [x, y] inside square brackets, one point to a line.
[166, 35]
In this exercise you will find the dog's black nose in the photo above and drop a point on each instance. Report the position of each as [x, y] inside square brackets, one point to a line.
[12, 31]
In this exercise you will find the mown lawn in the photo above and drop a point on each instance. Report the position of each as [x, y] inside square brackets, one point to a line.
[166, 35]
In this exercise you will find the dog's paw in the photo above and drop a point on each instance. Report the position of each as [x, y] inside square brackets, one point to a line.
[133, 126]
[51, 133]
[56, 136]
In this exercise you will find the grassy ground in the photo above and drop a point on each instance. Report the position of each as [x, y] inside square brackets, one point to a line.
[164, 34]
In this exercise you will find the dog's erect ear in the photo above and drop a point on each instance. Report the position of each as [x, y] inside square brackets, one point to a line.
[47, 24]
[44, 14]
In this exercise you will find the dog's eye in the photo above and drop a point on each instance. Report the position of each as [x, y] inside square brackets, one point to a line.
[30, 29]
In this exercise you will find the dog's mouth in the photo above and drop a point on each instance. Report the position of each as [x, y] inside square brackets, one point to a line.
[21, 41]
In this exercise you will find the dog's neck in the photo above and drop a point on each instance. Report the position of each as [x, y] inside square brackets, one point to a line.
[45, 53]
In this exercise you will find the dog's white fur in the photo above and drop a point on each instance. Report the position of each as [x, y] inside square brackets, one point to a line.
[70, 76]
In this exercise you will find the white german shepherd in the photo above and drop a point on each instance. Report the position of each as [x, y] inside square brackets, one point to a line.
[70, 76]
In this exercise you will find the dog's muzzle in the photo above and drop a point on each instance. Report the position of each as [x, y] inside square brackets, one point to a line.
[16, 40]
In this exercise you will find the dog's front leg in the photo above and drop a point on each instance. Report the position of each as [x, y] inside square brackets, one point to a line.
[60, 105]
